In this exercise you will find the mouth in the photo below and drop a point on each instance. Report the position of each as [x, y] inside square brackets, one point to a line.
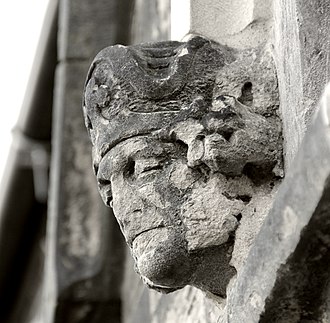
[132, 239]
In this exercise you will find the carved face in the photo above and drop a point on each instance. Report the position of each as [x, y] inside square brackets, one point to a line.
[177, 159]
[147, 205]
[158, 201]
[171, 196]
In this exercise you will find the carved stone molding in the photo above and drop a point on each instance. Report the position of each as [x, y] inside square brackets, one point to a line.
[187, 149]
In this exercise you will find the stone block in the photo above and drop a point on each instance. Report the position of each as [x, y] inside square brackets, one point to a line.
[85, 27]
[302, 47]
[286, 273]
[85, 247]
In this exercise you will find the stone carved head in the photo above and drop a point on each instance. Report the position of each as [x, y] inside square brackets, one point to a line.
[183, 136]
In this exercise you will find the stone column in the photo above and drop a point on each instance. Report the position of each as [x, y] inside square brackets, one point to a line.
[302, 47]
[84, 250]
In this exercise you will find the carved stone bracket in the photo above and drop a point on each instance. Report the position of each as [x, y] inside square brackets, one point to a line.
[187, 149]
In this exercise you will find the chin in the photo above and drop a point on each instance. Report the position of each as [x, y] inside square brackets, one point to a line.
[165, 265]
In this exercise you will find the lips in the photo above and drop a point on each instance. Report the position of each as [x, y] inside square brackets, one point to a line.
[139, 223]
[145, 231]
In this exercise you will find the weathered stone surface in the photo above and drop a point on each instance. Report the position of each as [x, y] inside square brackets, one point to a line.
[88, 26]
[81, 231]
[302, 49]
[84, 251]
[79, 228]
[143, 305]
[285, 278]
[179, 152]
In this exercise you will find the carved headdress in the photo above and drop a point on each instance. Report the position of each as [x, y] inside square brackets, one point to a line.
[136, 90]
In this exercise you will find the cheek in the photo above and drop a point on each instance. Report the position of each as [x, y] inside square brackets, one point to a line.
[134, 213]
[125, 198]
[151, 193]
[181, 176]
[128, 197]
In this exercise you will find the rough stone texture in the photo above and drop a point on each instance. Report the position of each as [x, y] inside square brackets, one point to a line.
[180, 152]
[196, 307]
[302, 47]
[285, 278]
[187, 305]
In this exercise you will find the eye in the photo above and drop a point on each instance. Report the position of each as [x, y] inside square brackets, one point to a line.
[246, 94]
[149, 169]
[146, 167]
[130, 168]
[103, 182]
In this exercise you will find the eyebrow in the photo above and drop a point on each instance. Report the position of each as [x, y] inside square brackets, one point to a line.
[146, 152]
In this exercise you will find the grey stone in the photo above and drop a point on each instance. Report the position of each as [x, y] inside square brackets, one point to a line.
[81, 231]
[88, 26]
[302, 47]
[151, 20]
[285, 278]
[236, 23]
[182, 143]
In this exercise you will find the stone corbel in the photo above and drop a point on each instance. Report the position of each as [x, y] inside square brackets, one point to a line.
[187, 150]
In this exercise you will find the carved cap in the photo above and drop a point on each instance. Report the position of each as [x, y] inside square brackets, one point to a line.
[135, 90]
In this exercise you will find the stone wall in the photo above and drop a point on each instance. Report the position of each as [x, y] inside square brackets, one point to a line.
[84, 243]
[302, 47]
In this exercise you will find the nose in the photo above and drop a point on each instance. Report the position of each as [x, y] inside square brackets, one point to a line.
[104, 186]
[104, 183]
